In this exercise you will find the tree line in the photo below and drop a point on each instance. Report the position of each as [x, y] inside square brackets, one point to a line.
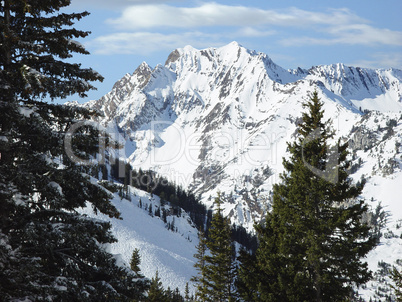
[177, 197]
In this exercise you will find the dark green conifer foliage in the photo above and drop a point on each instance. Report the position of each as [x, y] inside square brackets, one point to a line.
[135, 262]
[247, 276]
[200, 280]
[51, 252]
[397, 286]
[313, 241]
[156, 293]
[215, 279]
[187, 293]
[35, 41]
[173, 295]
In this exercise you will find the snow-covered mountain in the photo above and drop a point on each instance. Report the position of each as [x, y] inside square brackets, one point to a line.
[218, 119]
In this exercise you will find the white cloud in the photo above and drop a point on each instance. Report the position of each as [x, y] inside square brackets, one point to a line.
[381, 60]
[351, 34]
[253, 32]
[193, 25]
[366, 34]
[215, 14]
[144, 43]
[112, 4]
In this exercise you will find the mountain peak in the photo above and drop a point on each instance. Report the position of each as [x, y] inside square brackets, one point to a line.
[232, 46]
[173, 56]
[142, 75]
[143, 65]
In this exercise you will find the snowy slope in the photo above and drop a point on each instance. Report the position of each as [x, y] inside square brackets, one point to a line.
[169, 252]
[379, 147]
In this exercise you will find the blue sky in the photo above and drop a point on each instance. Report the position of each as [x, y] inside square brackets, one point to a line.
[364, 33]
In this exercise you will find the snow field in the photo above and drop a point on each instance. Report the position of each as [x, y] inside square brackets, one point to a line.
[169, 253]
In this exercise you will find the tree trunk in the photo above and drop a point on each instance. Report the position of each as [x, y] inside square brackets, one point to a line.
[317, 282]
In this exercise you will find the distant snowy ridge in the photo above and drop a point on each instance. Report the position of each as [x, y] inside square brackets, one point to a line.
[232, 67]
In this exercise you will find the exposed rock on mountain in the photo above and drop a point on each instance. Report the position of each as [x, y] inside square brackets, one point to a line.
[215, 119]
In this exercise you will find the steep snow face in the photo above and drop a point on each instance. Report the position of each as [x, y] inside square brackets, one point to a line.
[168, 252]
[218, 119]
[366, 88]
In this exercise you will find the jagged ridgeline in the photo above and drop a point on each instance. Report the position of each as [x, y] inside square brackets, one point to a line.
[218, 119]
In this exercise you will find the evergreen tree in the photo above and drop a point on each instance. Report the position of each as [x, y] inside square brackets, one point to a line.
[173, 295]
[313, 240]
[158, 211]
[397, 278]
[51, 252]
[187, 293]
[168, 294]
[215, 279]
[135, 263]
[156, 293]
[247, 276]
[150, 211]
[162, 197]
[201, 282]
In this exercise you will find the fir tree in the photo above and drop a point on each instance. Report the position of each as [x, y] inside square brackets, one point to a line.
[158, 211]
[313, 240]
[247, 276]
[200, 281]
[215, 279]
[397, 278]
[135, 262]
[150, 211]
[156, 293]
[52, 252]
[173, 295]
[187, 293]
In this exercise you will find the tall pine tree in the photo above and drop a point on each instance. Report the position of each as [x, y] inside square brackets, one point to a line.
[200, 278]
[50, 252]
[135, 262]
[246, 276]
[135, 267]
[313, 241]
[216, 268]
[396, 276]
[156, 293]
